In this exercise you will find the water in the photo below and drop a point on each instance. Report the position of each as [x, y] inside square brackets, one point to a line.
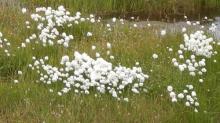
[217, 33]
[177, 26]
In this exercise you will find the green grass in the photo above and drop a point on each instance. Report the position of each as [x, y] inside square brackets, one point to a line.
[32, 102]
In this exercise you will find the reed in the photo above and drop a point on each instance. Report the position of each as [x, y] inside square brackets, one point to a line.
[145, 9]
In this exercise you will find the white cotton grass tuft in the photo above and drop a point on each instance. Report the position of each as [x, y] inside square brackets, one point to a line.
[180, 95]
[59, 93]
[184, 29]
[97, 55]
[194, 43]
[170, 49]
[126, 99]
[5, 45]
[200, 46]
[163, 32]
[169, 88]
[114, 19]
[109, 45]
[188, 96]
[89, 34]
[19, 72]
[135, 25]
[51, 90]
[23, 10]
[93, 47]
[155, 56]
[201, 80]
[16, 81]
[112, 57]
[84, 73]
[48, 21]
[213, 27]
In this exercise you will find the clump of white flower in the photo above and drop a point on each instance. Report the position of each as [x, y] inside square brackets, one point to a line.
[196, 44]
[188, 96]
[50, 23]
[191, 65]
[83, 74]
[5, 45]
[199, 44]
[49, 20]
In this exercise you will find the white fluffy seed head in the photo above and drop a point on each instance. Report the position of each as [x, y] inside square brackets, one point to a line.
[24, 10]
[169, 88]
[155, 56]
[163, 32]
[15, 81]
[180, 95]
[19, 72]
[201, 80]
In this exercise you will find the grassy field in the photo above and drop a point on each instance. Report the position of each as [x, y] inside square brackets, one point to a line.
[29, 101]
